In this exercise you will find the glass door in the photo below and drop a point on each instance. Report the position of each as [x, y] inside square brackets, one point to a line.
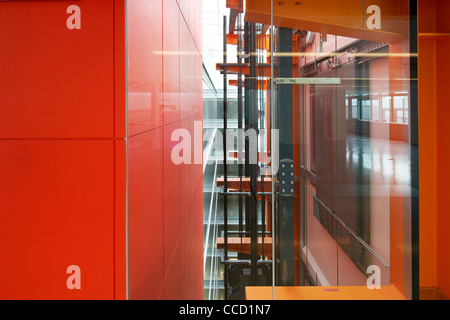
[341, 97]
[316, 185]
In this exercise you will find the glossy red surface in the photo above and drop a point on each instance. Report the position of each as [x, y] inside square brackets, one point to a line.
[171, 198]
[146, 214]
[172, 280]
[186, 257]
[57, 200]
[171, 61]
[53, 86]
[145, 62]
[120, 221]
[173, 209]
[63, 153]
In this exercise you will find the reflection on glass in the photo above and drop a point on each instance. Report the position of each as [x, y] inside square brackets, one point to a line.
[355, 158]
[349, 144]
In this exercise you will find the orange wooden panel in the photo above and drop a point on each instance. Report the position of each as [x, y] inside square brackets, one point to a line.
[262, 40]
[235, 5]
[323, 293]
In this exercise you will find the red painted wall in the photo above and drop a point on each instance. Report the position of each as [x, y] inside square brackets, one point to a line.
[166, 200]
[63, 150]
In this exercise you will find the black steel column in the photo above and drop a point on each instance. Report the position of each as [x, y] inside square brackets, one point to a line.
[240, 166]
[253, 167]
[286, 204]
[262, 126]
[247, 123]
[414, 131]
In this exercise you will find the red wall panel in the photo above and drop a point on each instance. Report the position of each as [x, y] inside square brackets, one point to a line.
[145, 66]
[67, 170]
[172, 284]
[185, 70]
[47, 70]
[171, 61]
[187, 259]
[192, 63]
[120, 220]
[184, 181]
[184, 7]
[172, 197]
[146, 215]
[199, 222]
[56, 203]
[179, 59]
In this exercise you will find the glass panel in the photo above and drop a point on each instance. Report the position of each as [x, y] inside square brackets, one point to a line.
[355, 108]
[321, 250]
[353, 149]
[318, 105]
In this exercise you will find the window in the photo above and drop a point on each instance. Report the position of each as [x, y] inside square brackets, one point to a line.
[354, 108]
[365, 110]
[401, 109]
[376, 110]
[346, 108]
[386, 103]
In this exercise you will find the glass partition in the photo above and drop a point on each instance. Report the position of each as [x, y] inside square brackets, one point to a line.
[316, 156]
[351, 148]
